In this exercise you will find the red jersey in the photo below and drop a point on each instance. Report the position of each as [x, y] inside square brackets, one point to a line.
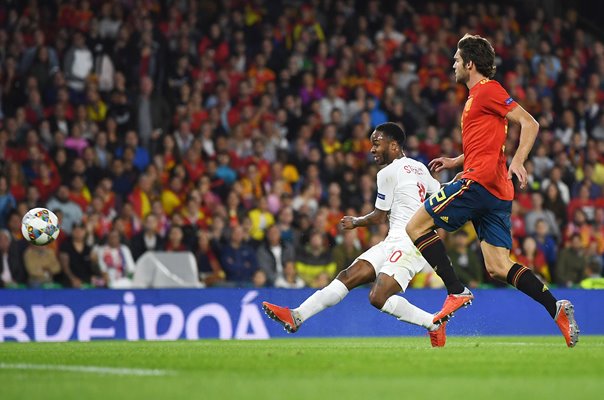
[484, 129]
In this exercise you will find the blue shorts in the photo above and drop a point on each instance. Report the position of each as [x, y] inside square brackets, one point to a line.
[465, 200]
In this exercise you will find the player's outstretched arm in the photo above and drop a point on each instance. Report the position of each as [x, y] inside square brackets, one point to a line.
[529, 128]
[440, 163]
[375, 217]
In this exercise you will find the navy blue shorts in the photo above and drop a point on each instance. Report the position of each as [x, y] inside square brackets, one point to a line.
[465, 200]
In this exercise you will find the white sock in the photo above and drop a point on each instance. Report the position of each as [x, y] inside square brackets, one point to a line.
[329, 296]
[407, 312]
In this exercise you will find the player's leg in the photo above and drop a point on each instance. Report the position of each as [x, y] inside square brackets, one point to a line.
[449, 209]
[384, 296]
[493, 229]
[421, 231]
[359, 273]
[501, 267]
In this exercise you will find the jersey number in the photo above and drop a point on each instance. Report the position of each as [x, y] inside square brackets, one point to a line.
[438, 196]
[422, 191]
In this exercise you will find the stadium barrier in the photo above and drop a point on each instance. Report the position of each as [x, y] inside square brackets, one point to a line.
[83, 315]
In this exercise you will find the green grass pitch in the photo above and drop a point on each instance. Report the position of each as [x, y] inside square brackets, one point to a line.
[378, 368]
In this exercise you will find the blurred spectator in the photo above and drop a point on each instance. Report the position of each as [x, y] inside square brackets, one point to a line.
[152, 114]
[72, 213]
[42, 265]
[285, 222]
[546, 58]
[306, 202]
[75, 255]
[12, 272]
[78, 63]
[274, 254]
[530, 256]
[542, 163]
[148, 239]
[208, 265]
[547, 244]
[585, 177]
[585, 203]
[79, 192]
[172, 195]
[571, 262]
[593, 278]
[259, 279]
[518, 223]
[175, 239]
[141, 155]
[7, 201]
[579, 225]
[140, 197]
[115, 262]
[412, 150]
[331, 102]
[538, 213]
[39, 60]
[261, 219]
[238, 259]
[555, 178]
[347, 251]
[598, 226]
[594, 255]
[594, 157]
[554, 203]
[467, 264]
[315, 258]
[289, 279]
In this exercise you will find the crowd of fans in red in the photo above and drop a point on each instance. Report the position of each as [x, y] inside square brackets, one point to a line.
[239, 130]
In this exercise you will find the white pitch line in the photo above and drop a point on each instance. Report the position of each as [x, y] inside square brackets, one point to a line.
[88, 369]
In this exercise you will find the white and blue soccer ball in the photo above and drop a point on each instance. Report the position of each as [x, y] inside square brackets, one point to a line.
[40, 226]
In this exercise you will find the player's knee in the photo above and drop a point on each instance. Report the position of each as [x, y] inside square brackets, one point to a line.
[412, 232]
[346, 278]
[496, 272]
[377, 299]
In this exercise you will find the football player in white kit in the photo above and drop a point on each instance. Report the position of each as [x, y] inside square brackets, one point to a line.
[402, 185]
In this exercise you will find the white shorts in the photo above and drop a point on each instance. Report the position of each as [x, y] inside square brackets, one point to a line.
[397, 257]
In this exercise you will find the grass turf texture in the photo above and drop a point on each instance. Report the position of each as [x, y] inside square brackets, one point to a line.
[469, 367]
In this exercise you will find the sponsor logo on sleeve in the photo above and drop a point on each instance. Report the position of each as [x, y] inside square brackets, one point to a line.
[381, 196]
[509, 101]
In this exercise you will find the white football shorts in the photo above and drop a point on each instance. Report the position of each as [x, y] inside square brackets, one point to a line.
[397, 257]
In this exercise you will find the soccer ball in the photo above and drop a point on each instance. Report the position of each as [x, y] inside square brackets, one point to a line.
[40, 226]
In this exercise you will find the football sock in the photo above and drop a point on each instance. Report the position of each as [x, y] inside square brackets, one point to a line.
[524, 280]
[407, 312]
[329, 296]
[433, 250]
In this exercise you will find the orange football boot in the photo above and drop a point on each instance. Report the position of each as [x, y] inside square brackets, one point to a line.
[438, 338]
[565, 319]
[452, 303]
[282, 315]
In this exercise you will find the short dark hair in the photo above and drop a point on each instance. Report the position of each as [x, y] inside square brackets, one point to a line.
[477, 49]
[393, 132]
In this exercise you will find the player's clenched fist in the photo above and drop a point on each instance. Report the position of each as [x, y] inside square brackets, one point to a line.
[348, 222]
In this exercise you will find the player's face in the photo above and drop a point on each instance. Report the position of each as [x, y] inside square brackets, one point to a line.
[379, 148]
[461, 72]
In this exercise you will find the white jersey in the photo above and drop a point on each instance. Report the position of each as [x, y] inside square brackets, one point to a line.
[402, 187]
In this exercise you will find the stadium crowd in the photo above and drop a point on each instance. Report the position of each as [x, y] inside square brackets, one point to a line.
[239, 131]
